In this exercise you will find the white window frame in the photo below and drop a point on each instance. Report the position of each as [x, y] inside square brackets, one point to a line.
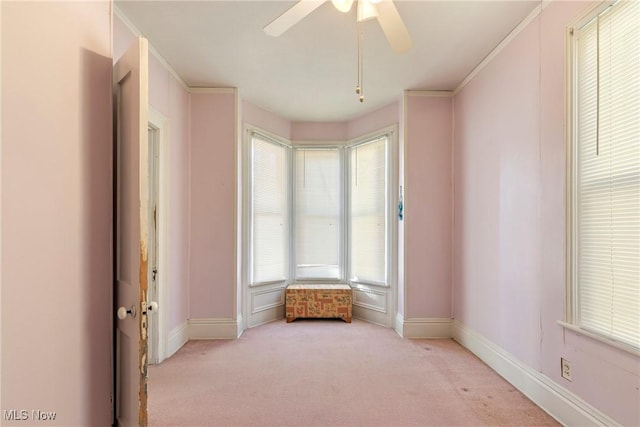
[391, 194]
[388, 133]
[250, 131]
[571, 319]
[343, 248]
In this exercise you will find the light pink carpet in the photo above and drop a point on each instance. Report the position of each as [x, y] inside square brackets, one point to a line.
[330, 373]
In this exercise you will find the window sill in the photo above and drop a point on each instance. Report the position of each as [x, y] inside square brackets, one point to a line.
[270, 282]
[616, 344]
[358, 283]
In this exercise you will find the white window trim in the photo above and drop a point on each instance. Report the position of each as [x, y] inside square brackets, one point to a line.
[343, 255]
[391, 132]
[391, 192]
[249, 131]
[571, 321]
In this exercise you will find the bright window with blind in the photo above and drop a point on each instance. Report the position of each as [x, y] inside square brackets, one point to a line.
[605, 175]
[368, 213]
[318, 213]
[269, 210]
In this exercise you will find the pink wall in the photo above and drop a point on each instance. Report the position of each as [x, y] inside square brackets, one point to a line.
[497, 179]
[427, 197]
[56, 261]
[265, 120]
[171, 99]
[213, 200]
[302, 132]
[178, 217]
[320, 131]
[373, 121]
[509, 228]
[123, 37]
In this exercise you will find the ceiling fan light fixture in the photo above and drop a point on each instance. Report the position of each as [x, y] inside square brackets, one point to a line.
[343, 6]
[366, 10]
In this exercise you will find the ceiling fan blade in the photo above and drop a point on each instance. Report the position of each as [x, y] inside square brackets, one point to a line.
[393, 26]
[292, 16]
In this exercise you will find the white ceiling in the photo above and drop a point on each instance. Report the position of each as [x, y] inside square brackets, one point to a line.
[310, 72]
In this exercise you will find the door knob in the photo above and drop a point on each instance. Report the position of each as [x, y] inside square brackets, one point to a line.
[153, 307]
[123, 312]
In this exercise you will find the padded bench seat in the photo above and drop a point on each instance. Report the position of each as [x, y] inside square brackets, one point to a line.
[318, 301]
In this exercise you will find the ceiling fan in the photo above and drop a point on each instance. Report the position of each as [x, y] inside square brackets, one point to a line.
[384, 10]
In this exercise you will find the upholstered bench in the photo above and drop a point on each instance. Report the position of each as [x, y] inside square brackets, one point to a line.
[319, 301]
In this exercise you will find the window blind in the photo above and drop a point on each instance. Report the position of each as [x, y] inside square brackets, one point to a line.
[269, 211]
[607, 175]
[368, 212]
[318, 202]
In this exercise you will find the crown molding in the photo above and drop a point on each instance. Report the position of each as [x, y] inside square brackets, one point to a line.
[217, 90]
[431, 93]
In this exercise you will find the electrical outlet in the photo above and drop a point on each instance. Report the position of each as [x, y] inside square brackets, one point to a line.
[565, 367]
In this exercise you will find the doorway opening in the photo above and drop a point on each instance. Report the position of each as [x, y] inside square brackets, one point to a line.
[157, 244]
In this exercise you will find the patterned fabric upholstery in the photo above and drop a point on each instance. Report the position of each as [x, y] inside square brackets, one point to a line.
[323, 301]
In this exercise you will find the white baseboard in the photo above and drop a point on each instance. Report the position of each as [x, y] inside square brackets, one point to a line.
[240, 324]
[178, 337]
[557, 401]
[213, 329]
[399, 323]
[423, 327]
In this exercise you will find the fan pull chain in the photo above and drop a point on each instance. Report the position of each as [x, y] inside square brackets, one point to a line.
[359, 90]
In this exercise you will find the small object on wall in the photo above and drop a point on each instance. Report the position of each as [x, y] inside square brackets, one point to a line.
[401, 206]
[565, 368]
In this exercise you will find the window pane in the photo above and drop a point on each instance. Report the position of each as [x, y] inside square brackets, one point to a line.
[368, 212]
[608, 174]
[317, 214]
[269, 221]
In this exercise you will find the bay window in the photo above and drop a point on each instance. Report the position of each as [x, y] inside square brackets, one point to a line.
[318, 213]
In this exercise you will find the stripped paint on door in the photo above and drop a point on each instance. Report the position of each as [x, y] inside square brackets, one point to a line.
[143, 343]
[144, 276]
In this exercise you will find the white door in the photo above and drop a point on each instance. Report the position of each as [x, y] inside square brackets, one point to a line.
[131, 270]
